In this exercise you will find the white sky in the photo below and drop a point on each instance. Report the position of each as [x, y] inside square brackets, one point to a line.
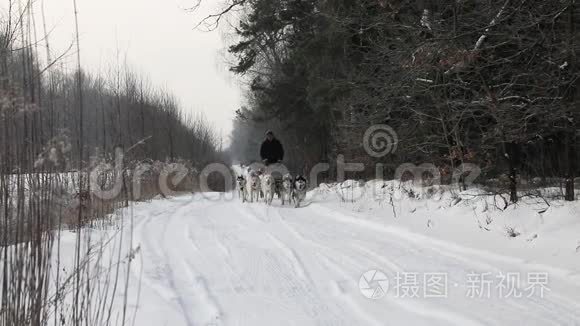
[157, 39]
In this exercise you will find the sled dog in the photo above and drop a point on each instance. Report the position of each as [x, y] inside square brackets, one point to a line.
[299, 191]
[268, 188]
[242, 184]
[287, 189]
[253, 186]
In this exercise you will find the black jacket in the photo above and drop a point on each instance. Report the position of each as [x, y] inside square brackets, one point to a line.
[272, 151]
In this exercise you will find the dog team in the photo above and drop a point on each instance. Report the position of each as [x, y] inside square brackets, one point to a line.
[257, 185]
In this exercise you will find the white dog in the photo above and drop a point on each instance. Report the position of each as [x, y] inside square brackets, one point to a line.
[268, 188]
[242, 188]
[253, 186]
[286, 189]
[299, 191]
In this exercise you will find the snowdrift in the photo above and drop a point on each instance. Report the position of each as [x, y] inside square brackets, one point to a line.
[536, 230]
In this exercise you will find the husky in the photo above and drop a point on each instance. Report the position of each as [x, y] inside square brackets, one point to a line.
[253, 186]
[242, 187]
[286, 189]
[299, 192]
[268, 188]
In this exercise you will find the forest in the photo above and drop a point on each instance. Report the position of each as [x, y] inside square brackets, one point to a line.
[487, 82]
[58, 125]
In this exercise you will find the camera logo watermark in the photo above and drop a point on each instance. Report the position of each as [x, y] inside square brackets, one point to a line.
[380, 140]
[374, 284]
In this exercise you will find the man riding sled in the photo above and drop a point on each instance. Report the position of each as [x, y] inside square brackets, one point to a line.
[271, 151]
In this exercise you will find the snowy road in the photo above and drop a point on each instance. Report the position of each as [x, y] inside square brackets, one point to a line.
[218, 262]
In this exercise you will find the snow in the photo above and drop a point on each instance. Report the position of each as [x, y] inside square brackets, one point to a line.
[206, 259]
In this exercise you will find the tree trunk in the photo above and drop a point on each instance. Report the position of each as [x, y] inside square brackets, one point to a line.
[571, 134]
[511, 152]
[570, 168]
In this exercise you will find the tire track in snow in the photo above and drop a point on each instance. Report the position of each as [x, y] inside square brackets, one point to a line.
[559, 304]
[269, 270]
[301, 256]
[152, 262]
[225, 263]
[421, 309]
[199, 306]
[160, 265]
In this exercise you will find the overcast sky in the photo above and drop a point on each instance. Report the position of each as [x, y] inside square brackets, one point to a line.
[155, 37]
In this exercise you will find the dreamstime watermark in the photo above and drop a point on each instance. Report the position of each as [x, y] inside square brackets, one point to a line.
[380, 140]
[108, 181]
